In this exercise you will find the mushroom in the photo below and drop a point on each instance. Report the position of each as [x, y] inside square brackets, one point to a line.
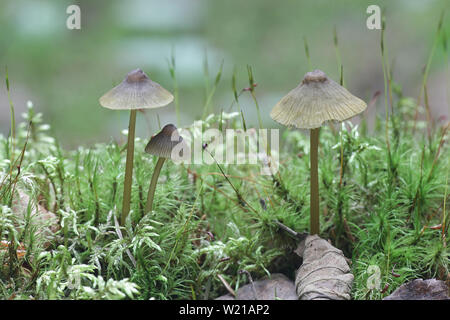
[316, 100]
[135, 92]
[161, 145]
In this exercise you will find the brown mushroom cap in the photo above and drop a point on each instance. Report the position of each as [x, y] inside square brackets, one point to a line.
[162, 144]
[316, 100]
[136, 91]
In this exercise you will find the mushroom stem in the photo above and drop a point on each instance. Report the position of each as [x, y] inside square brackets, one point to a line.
[314, 191]
[128, 168]
[151, 189]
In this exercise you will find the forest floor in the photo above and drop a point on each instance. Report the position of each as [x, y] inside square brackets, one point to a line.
[383, 202]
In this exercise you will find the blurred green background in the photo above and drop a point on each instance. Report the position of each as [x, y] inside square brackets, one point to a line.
[64, 72]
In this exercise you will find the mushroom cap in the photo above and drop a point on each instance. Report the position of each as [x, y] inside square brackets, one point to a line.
[162, 144]
[136, 91]
[314, 101]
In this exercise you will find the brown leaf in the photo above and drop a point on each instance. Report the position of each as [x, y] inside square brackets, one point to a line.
[324, 274]
[46, 222]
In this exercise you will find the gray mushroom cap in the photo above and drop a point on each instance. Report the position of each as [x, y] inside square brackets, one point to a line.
[316, 100]
[136, 91]
[162, 144]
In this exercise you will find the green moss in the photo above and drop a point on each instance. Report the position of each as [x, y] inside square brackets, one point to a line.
[381, 210]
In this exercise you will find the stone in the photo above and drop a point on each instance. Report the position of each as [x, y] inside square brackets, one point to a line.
[278, 286]
[419, 289]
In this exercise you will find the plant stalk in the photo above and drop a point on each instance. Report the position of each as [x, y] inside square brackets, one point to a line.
[152, 188]
[314, 186]
[128, 168]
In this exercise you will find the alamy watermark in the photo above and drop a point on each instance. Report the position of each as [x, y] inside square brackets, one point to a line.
[74, 19]
[373, 22]
[374, 279]
[228, 147]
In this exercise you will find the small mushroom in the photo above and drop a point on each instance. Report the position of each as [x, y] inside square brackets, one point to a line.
[135, 92]
[316, 100]
[161, 145]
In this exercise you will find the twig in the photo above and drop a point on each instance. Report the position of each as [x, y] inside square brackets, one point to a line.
[305, 44]
[119, 234]
[227, 286]
[239, 196]
[20, 159]
[441, 143]
[251, 282]
[427, 68]
[444, 214]
[295, 234]
[251, 88]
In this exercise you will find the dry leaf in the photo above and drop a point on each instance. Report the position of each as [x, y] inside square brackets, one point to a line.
[324, 274]
[45, 221]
